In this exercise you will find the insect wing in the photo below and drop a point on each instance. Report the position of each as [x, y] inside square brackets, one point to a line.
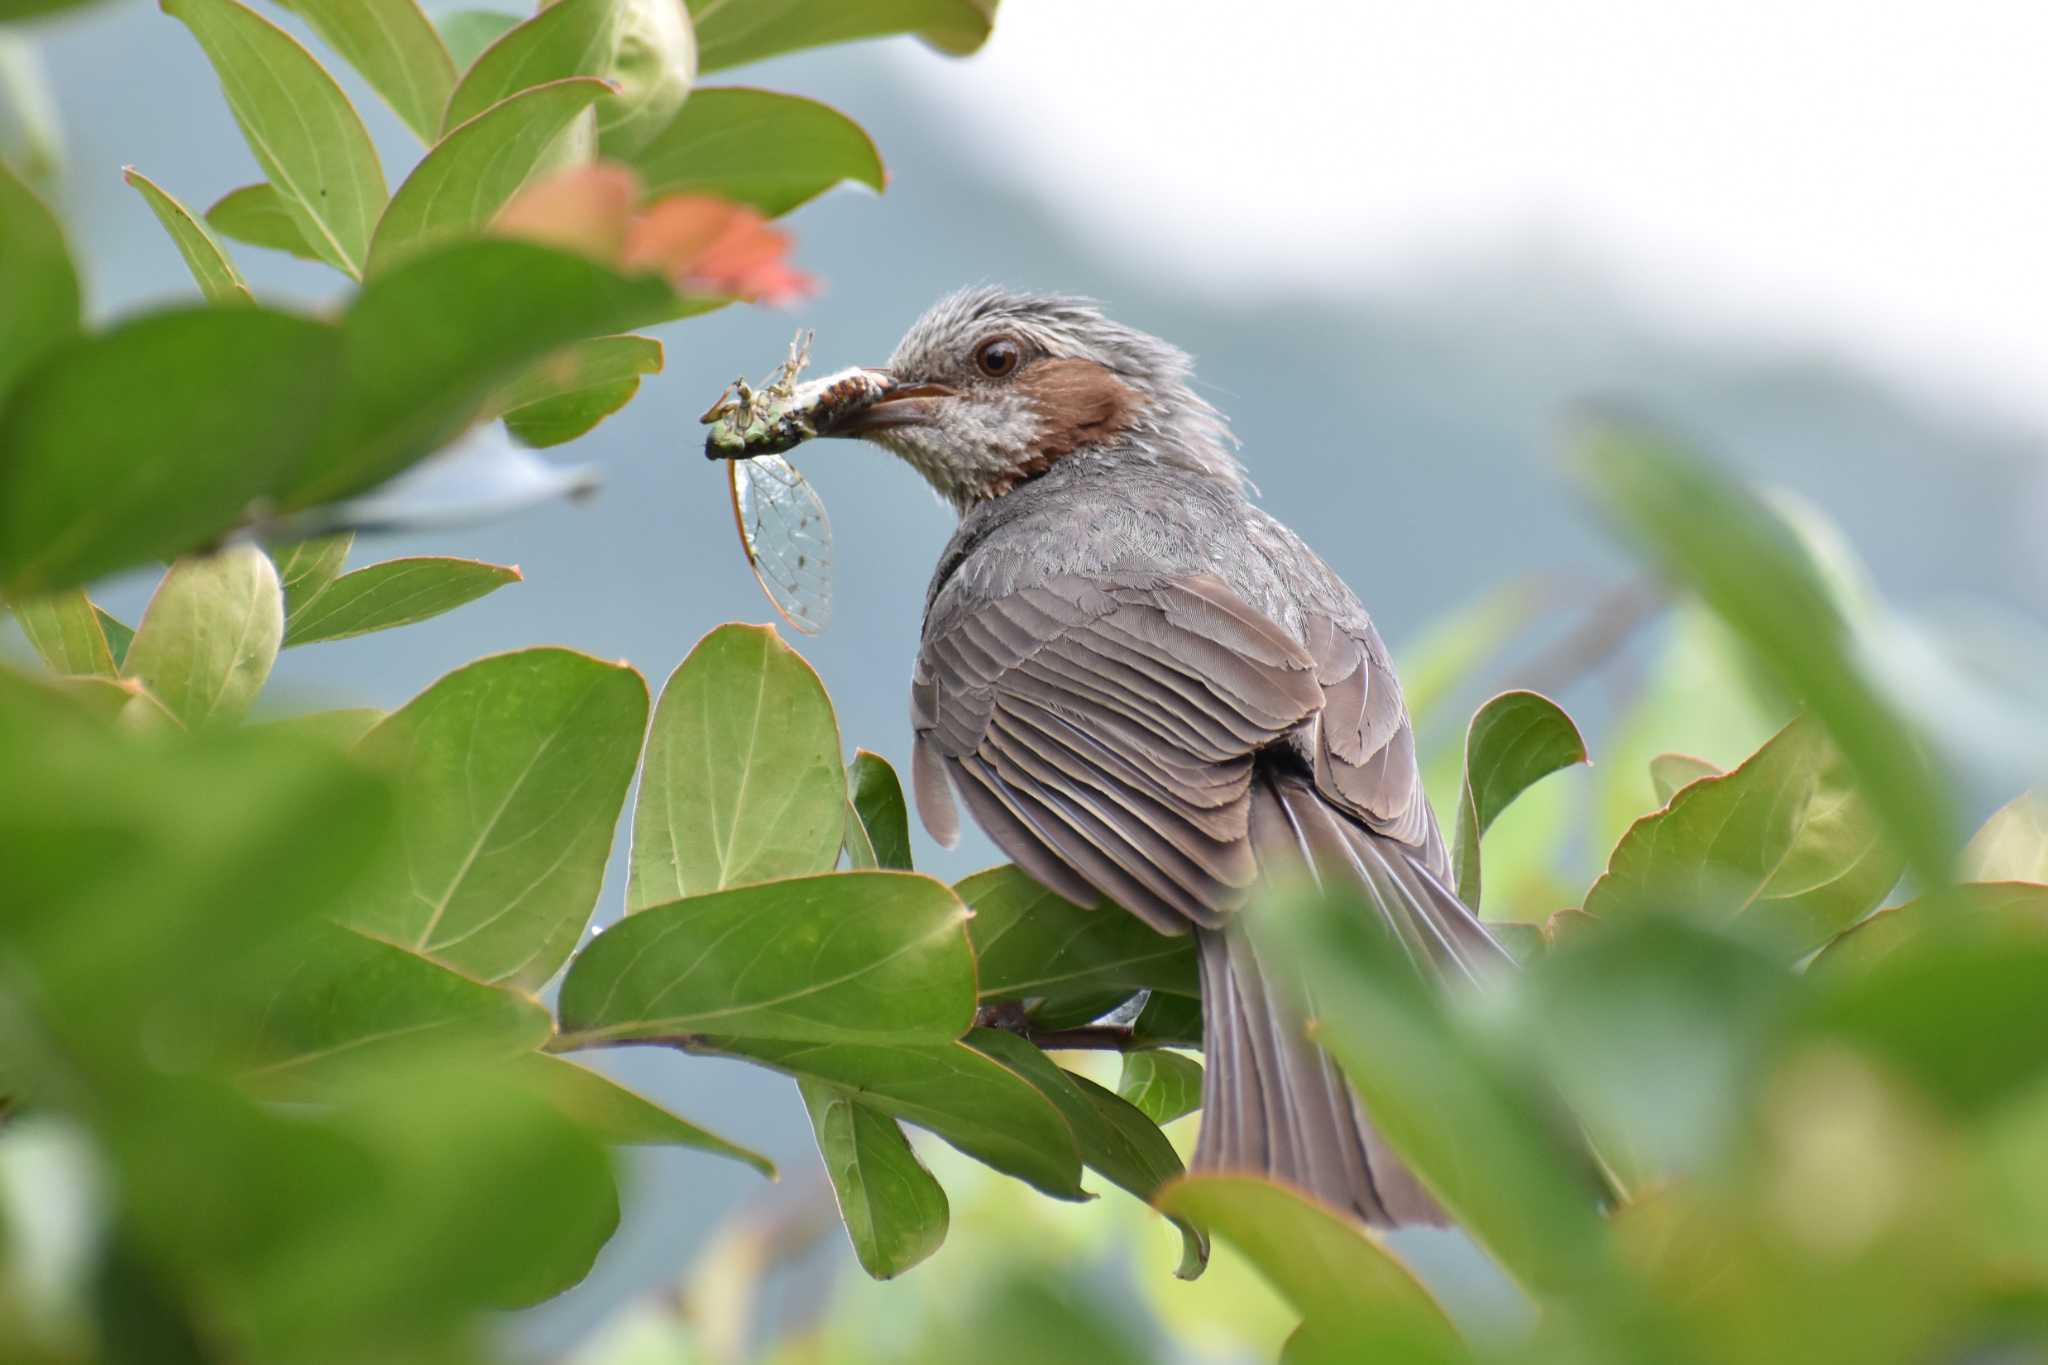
[787, 538]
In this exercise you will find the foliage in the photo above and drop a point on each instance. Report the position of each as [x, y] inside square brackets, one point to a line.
[270, 1001]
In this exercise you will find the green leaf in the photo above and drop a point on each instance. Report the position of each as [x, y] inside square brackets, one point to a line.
[39, 303]
[757, 147]
[1784, 840]
[391, 45]
[733, 34]
[644, 48]
[1514, 741]
[339, 728]
[429, 342]
[2013, 844]
[878, 814]
[743, 780]
[64, 628]
[467, 32]
[480, 164]
[1165, 1085]
[210, 636]
[204, 255]
[859, 957]
[894, 1211]
[977, 1105]
[256, 215]
[301, 127]
[1672, 773]
[1336, 1274]
[306, 567]
[567, 394]
[118, 635]
[329, 1003]
[513, 770]
[1116, 1140]
[235, 397]
[1468, 1128]
[397, 592]
[28, 9]
[1970, 912]
[620, 1116]
[1028, 941]
[1750, 567]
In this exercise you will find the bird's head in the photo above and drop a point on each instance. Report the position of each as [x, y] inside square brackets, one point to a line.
[992, 388]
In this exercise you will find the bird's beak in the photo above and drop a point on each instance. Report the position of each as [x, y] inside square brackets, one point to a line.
[891, 403]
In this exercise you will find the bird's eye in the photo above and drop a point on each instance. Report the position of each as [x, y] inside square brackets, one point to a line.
[998, 357]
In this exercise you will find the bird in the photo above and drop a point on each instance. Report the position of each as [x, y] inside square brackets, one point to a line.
[1147, 690]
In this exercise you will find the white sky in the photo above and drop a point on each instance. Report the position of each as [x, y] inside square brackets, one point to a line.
[1870, 174]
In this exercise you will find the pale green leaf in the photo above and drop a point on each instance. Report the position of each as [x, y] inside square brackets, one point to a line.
[204, 255]
[256, 215]
[743, 780]
[1673, 773]
[894, 1211]
[306, 567]
[479, 165]
[118, 634]
[391, 45]
[1513, 742]
[756, 147]
[621, 1116]
[1165, 1085]
[866, 957]
[64, 628]
[2012, 846]
[733, 32]
[397, 592]
[467, 32]
[39, 301]
[512, 771]
[1972, 911]
[210, 635]
[305, 134]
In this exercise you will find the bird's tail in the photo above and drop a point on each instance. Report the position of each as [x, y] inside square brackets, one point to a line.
[1273, 1103]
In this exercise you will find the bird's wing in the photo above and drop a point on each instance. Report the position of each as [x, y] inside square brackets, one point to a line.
[1105, 734]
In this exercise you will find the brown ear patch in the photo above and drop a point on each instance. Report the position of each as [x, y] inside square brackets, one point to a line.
[1079, 403]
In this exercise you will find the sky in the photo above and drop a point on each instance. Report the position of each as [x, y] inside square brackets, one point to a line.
[1865, 176]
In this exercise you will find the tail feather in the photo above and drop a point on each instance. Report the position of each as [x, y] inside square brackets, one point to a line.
[1275, 1104]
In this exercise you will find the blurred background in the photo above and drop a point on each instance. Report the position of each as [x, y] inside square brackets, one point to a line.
[1403, 241]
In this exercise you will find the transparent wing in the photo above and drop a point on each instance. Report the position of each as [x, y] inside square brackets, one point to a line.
[787, 538]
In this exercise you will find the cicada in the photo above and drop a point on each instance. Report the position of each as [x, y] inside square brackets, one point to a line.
[782, 523]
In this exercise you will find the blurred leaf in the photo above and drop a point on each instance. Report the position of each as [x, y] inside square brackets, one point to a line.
[39, 304]
[1523, 941]
[91, 480]
[64, 628]
[1468, 1129]
[429, 342]
[306, 567]
[756, 147]
[862, 957]
[979, 1106]
[1970, 912]
[204, 256]
[1959, 1014]
[1029, 941]
[879, 815]
[645, 48]
[210, 636]
[118, 635]
[894, 1212]
[1451, 649]
[480, 164]
[339, 728]
[743, 780]
[328, 1002]
[467, 32]
[1165, 1085]
[397, 592]
[512, 771]
[1337, 1274]
[257, 216]
[1116, 1140]
[567, 394]
[1747, 564]
[391, 45]
[1783, 840]
[1513, 742]
[2013, 844]
[731, 35]
[621, 1116]
[1672, 773]
[28, 113]
[299, 124]
[1076, 1009]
